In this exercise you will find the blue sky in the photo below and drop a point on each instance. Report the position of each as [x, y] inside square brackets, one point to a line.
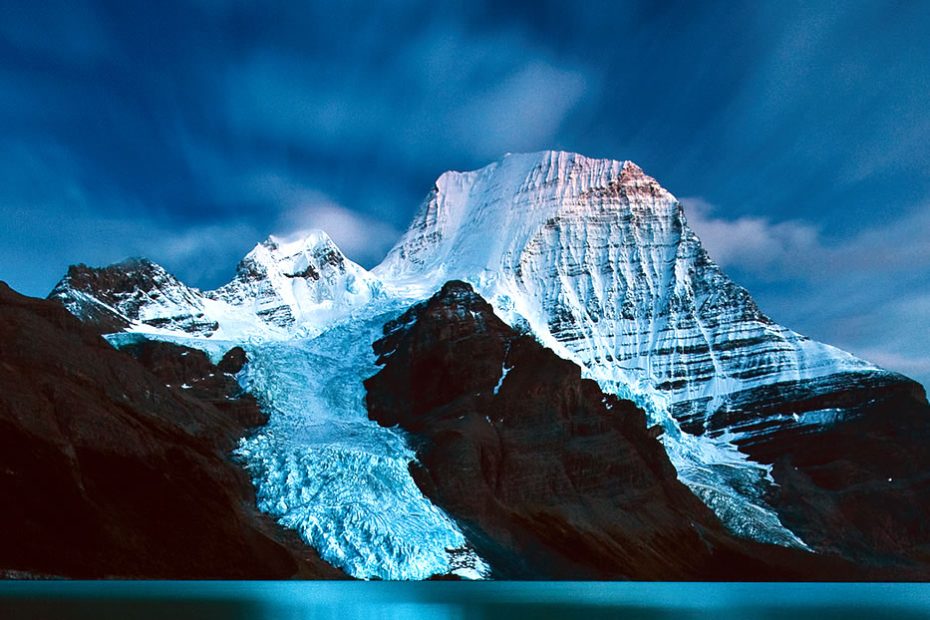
[797, 134]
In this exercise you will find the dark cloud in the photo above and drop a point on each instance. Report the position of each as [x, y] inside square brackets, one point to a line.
[188, 131]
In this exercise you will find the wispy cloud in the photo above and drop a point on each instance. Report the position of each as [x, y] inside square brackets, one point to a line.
[65, 236]
[912, 366]
[450, 95]
[206, 253]
[362, 238]
[54, 216]
[768, 249]
[796, 249]
[521, 112]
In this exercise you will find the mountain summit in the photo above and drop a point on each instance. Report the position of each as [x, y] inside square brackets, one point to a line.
[599, 258]
[281, 287]
[305, 280]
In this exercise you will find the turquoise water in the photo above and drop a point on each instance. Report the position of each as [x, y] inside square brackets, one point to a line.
[456, 600]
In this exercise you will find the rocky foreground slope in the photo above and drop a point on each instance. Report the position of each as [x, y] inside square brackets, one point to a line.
[113, 467]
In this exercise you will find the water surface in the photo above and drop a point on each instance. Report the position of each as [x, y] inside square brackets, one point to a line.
[459, 600]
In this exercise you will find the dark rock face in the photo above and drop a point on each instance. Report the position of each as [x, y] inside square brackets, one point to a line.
[190, 371]
[859, 485]
[107, 472]
[233, 361]
[851, 461]
[547, 476]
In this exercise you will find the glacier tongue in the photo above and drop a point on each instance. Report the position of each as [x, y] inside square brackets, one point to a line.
[323, 468]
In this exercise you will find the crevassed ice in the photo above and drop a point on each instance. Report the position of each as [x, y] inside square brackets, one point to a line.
[323, 468]
[727, 480]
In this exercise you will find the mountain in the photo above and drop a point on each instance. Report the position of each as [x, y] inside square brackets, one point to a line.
[116, 463]
[135, 292]
[306, 282]
[599, 258]
[596, 260]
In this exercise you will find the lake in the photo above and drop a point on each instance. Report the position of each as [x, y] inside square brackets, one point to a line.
[458, 600]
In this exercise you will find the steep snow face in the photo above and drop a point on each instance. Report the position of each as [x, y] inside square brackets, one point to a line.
[307, 282]
[323, 468]
[598, 259]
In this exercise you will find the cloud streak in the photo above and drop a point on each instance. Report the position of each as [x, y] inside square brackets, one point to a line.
[768, 249]
[474, 99]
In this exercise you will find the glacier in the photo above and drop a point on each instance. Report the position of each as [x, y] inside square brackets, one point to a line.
[322, 468]
[591, 256]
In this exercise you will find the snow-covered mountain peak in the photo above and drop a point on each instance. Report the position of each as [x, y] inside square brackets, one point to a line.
[559, 172]
[283, 287]
[597, 259]
[307, 255]
[305, 280]
[475, 221]
[139, 264]
[304, 241]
